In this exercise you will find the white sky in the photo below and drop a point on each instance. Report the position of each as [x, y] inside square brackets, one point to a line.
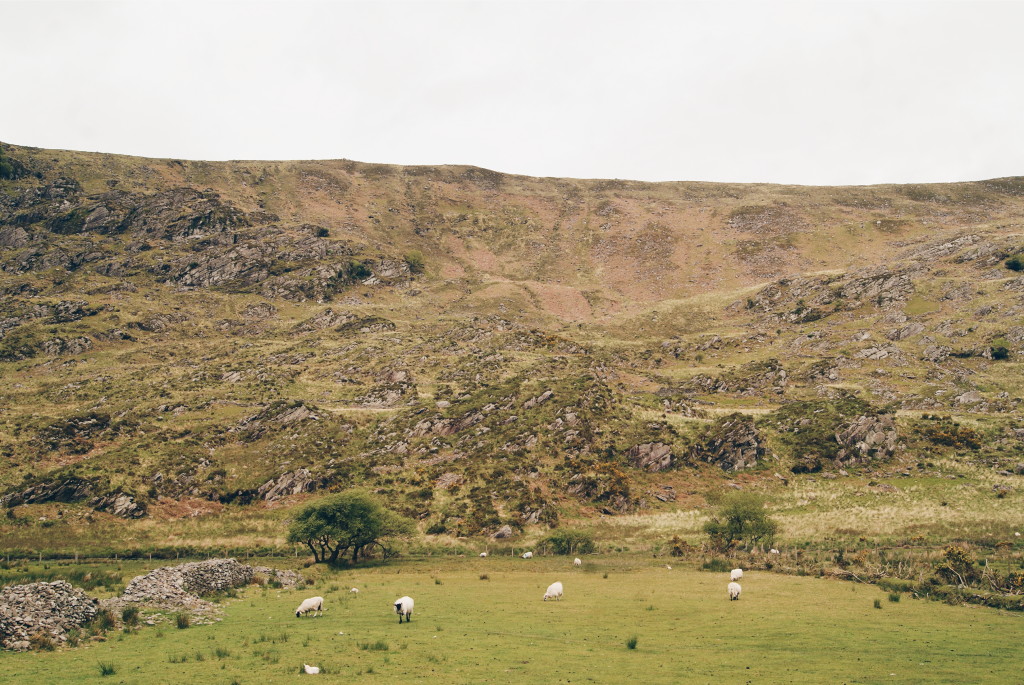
[822, 92]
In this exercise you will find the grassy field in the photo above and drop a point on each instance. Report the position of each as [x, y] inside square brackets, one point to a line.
[483, 621]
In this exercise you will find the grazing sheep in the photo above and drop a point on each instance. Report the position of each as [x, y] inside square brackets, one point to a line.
[403, 607]
[554, 592]
[314, 604]
[312, 670]
[734, 591]
[483, 554]
[773, 551]
[355, 590]
[528, 555]
[736, 574]
[668, 567]
[577, 562]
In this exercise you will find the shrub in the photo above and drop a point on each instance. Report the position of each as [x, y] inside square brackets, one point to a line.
[130, 616]
[631, 642]
[740, 518]
[1000, 353]
[568, 541]
[894, 596]
[42, 642]
[1015, 263]
[106, 668]
[415, 261]
[182, 621]
[484, 576]
[878, 604]
[104, 620]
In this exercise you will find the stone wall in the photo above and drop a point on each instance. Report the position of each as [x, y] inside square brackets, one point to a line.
[50, 609]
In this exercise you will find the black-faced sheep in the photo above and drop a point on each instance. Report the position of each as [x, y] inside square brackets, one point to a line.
[314, 604]
[734, 591]
[403, 607]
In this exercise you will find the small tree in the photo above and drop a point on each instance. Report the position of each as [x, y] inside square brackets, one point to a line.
[566, 541]
[740, 518]
[352, 520]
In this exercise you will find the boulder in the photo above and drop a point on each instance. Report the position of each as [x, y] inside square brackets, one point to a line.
[651, 456]
[867, 438]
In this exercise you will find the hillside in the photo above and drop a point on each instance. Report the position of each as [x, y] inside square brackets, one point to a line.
[181, 339]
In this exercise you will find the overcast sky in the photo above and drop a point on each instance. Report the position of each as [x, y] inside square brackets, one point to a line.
[791, 92]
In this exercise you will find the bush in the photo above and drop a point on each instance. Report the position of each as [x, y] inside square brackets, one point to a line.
[182, 621]
[106, 668]
[42, 642]
[1015, 263]
[894, 596]
[631, 642]
[878, 604]
[740, 518]
[130, 616]
[568, 541]
[415, 261]
[104, 620]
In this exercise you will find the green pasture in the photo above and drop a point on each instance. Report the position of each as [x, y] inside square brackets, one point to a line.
[470, 629]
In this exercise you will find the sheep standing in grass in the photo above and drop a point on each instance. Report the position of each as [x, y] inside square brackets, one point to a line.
[554, 591]
[355, 590]
[528, 555]
[736, 574]
[734, 591]
[577, 562]
[483, 554]
[314, 604]
[403, 607]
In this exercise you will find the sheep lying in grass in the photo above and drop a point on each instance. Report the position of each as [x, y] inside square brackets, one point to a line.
[554, 592]
[736, 574]
[403, 607]
[527, 555]
[355, 590]
[577, 562]
[314, 604]
[734, 591]
[311, 670]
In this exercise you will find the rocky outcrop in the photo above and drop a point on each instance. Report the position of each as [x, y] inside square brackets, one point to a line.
[291, 483]
[275, 417]
[42, 610]
[61, 490]
[119, 504]
[753, 378]
[869, 437]
[651, 456]
[733, 443]
[73, 489]
[60, 347]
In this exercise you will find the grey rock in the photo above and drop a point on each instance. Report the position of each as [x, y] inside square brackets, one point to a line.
[651, 456]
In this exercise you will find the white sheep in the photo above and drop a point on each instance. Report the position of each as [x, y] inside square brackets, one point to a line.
[483, 554]
[577, 562]
[528, 555]
[355, 590]
[311, 670]
[403, 607]
[773, 551]
[314, 604]
[734, 591]
[736, 574]
[554, 591]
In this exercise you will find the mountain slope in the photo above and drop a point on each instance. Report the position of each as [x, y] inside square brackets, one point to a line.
[486, 349]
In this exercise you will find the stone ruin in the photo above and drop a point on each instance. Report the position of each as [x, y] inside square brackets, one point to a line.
[178, 588]
[49, 610]
[52, 609]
